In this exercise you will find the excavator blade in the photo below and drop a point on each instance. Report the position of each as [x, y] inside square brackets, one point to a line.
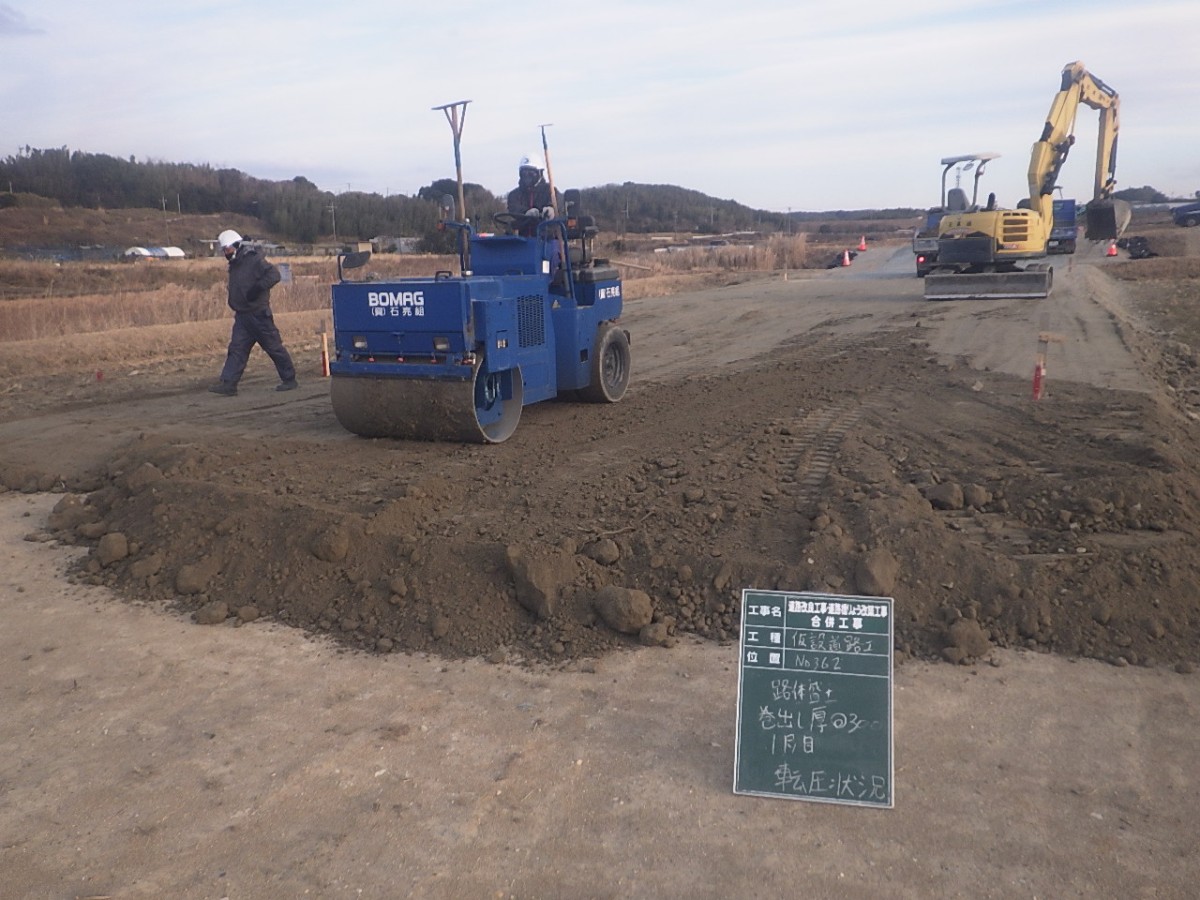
[1107, 219]
[482, 410]
[1032, 283]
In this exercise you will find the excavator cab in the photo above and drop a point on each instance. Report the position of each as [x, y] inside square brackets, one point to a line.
[955, 199]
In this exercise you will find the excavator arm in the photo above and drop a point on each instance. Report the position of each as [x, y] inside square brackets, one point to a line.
[1058, 136]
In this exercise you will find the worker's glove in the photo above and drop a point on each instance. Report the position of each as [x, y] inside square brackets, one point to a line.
[533, 212]
[548, 212]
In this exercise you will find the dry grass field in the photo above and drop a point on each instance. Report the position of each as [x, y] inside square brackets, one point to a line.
[47, 299]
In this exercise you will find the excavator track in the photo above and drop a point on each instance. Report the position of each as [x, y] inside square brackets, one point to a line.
[484, 409]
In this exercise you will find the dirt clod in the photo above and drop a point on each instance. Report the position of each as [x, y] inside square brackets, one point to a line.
[212, 613]
[112, 548]
[624, 610]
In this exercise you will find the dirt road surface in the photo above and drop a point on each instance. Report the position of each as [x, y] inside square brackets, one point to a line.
[378, 713]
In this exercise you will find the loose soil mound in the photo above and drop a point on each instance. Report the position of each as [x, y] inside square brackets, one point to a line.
[828, 472]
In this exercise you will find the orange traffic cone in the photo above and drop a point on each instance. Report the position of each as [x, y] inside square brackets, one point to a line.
[1112, 249]
[862, 243]
[845, 257]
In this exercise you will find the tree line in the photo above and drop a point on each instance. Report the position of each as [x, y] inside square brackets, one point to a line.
[295, 210]
[300, 212]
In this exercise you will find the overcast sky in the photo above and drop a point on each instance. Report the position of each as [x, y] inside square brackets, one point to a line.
[777, 104]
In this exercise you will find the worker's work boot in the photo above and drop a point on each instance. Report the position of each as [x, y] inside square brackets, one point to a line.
[224, 388]
[287, 385]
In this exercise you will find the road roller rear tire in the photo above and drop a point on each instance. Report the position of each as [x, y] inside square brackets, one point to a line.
[610, 366]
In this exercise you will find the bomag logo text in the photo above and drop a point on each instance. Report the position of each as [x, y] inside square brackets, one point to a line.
[395, 298]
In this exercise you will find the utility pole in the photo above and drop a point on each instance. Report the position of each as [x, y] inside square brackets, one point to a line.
[787, 246]
[333, 216]
[549, 170]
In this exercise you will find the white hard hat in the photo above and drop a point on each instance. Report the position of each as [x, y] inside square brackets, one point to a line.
[228, 238]
[530, 161]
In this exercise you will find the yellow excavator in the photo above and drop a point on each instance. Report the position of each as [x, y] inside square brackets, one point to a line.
[987, 252]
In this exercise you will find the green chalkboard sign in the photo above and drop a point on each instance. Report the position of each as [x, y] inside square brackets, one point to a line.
[814, 712]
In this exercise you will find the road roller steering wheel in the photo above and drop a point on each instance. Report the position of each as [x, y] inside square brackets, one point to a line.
[516, 222]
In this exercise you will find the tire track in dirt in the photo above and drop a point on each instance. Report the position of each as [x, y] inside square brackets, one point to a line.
[812, 441]
[811, 444]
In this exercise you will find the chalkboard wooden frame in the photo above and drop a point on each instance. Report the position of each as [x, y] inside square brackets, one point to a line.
[814, 710]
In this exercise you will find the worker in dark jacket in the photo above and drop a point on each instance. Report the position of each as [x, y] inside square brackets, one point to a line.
[532, 196]
[251, 278]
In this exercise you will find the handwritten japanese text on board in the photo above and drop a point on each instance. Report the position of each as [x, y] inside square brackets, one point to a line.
[815, 698]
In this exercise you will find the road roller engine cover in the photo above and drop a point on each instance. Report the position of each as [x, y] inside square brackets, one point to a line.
[456, 357]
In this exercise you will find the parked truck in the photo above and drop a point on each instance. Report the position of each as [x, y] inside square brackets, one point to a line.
[1065, 231]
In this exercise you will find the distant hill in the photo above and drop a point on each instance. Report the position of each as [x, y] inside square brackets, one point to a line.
[648, 208]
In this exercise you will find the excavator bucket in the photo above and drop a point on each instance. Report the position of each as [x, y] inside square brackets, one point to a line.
[1107, 219]
[1033, 283]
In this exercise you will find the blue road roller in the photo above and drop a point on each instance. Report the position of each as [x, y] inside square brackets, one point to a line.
[531, 315]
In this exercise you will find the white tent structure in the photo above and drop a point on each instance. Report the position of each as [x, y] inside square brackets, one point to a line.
[155, 252]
